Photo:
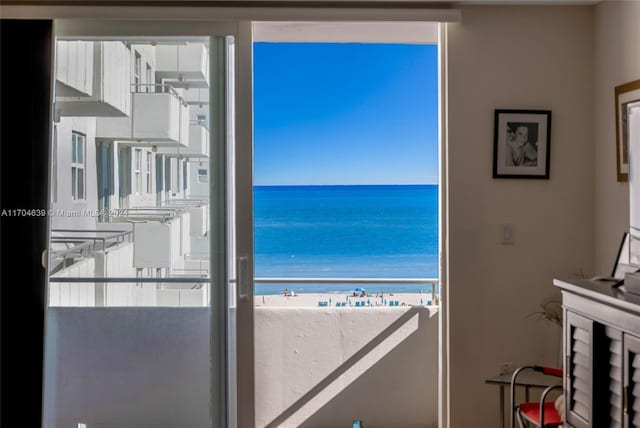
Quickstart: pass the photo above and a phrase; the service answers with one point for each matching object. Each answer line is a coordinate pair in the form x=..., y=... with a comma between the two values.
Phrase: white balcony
x=159, y=117
x=198, y=144
x=161, y=236
x=157, y=245
x=92, y=79
x=74, y=68
x=196, y=96
x=184, y=66
x=198, y=210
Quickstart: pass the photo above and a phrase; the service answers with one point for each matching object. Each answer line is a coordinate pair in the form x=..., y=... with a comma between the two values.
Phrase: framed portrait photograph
x=627, y=100
x=521, y=144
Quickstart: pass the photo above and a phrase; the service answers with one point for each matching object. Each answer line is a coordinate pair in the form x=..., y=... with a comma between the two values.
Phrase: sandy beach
x=332, y=299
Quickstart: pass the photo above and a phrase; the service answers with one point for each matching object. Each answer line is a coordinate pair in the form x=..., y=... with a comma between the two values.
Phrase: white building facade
x=129, y=192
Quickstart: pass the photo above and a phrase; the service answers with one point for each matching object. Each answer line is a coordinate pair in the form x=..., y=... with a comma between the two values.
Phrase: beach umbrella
x=359, y=289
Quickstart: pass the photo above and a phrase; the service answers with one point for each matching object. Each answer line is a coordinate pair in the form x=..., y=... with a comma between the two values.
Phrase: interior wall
x=616, y=61
x=514, y=57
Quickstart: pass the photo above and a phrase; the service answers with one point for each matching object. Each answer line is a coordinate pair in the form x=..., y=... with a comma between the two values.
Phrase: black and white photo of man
x=522, y=144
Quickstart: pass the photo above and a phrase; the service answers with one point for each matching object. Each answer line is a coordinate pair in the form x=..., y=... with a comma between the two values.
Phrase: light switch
x=506, y=234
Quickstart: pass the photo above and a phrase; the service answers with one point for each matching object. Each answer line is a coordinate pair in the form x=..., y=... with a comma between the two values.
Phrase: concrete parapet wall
x=149, y=367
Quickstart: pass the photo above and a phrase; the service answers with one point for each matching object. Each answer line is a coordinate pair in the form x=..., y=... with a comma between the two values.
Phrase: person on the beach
x=286, y=292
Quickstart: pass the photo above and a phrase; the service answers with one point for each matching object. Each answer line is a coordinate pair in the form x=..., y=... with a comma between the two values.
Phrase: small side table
x=527, y=379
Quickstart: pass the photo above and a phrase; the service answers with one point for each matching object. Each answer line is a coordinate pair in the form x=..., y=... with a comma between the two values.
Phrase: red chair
x=540, y=414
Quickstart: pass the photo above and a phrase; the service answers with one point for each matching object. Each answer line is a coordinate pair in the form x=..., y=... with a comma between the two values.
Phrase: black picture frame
x=522, y=144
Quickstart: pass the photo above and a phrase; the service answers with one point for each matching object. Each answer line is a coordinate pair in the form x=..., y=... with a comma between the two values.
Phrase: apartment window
x=150, y=79
x=78, y=142
x=137, y=70
x=138, y=171
x=203, y=176
x=184, y=175
x=148, y=172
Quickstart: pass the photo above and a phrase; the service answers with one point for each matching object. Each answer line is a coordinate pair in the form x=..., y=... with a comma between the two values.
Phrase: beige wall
x=617, y=61
x=520, y=58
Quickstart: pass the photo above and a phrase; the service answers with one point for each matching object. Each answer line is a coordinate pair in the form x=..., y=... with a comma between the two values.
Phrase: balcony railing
x=156, y=88
x=199, y=280
x=82, y=243
x=288, y=280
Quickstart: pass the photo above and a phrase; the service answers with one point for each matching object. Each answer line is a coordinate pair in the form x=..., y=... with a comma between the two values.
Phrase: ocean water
x=346, y=232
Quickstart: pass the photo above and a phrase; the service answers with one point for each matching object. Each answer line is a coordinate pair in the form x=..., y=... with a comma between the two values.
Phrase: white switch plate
x=507, y=234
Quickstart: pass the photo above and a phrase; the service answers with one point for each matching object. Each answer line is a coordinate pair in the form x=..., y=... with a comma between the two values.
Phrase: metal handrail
x=165, y=88
x=185, y=202
x=179, y=279
x=274, y=280
x=115, y=279
x=116, y=235
x=347, y=280
x=64, y=254
x=147, y=214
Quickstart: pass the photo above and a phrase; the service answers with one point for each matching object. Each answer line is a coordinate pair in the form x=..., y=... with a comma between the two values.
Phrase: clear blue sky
x=336, y=113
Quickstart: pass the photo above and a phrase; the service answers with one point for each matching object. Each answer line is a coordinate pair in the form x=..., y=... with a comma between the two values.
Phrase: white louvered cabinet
x=602, y=355
x=615, y=379
x=578, y=371
x=631, y=391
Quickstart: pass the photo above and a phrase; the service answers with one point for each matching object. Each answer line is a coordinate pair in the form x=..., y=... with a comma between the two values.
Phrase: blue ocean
x=374, y=231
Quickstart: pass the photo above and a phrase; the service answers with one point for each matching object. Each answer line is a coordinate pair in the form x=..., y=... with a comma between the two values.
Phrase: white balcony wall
x=198, y=186
x=198, y=142
x=93, y=357
x=156, y=120
x=191, y=62
x=157, y=117
x=71, y=293
x=199, y=220
x=184, y=124
x=198, y=146
x=185, y=238
x=118, y=262
x=200, y=244
x=110, y=81
x=74, y=68
x=196, y=97
x=157, y=245
x=197, y=264
x=182, y=297
x=115, y=83
x=176, y=177
x=299, y=349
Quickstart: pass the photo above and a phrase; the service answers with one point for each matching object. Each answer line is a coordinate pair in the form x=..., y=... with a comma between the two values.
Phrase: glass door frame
x=234, y=127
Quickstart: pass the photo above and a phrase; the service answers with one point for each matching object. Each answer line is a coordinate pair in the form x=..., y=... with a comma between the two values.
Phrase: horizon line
x=341, y=184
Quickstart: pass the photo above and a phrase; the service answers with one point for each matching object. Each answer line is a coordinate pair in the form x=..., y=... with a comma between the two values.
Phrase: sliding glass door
x=150, y=262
